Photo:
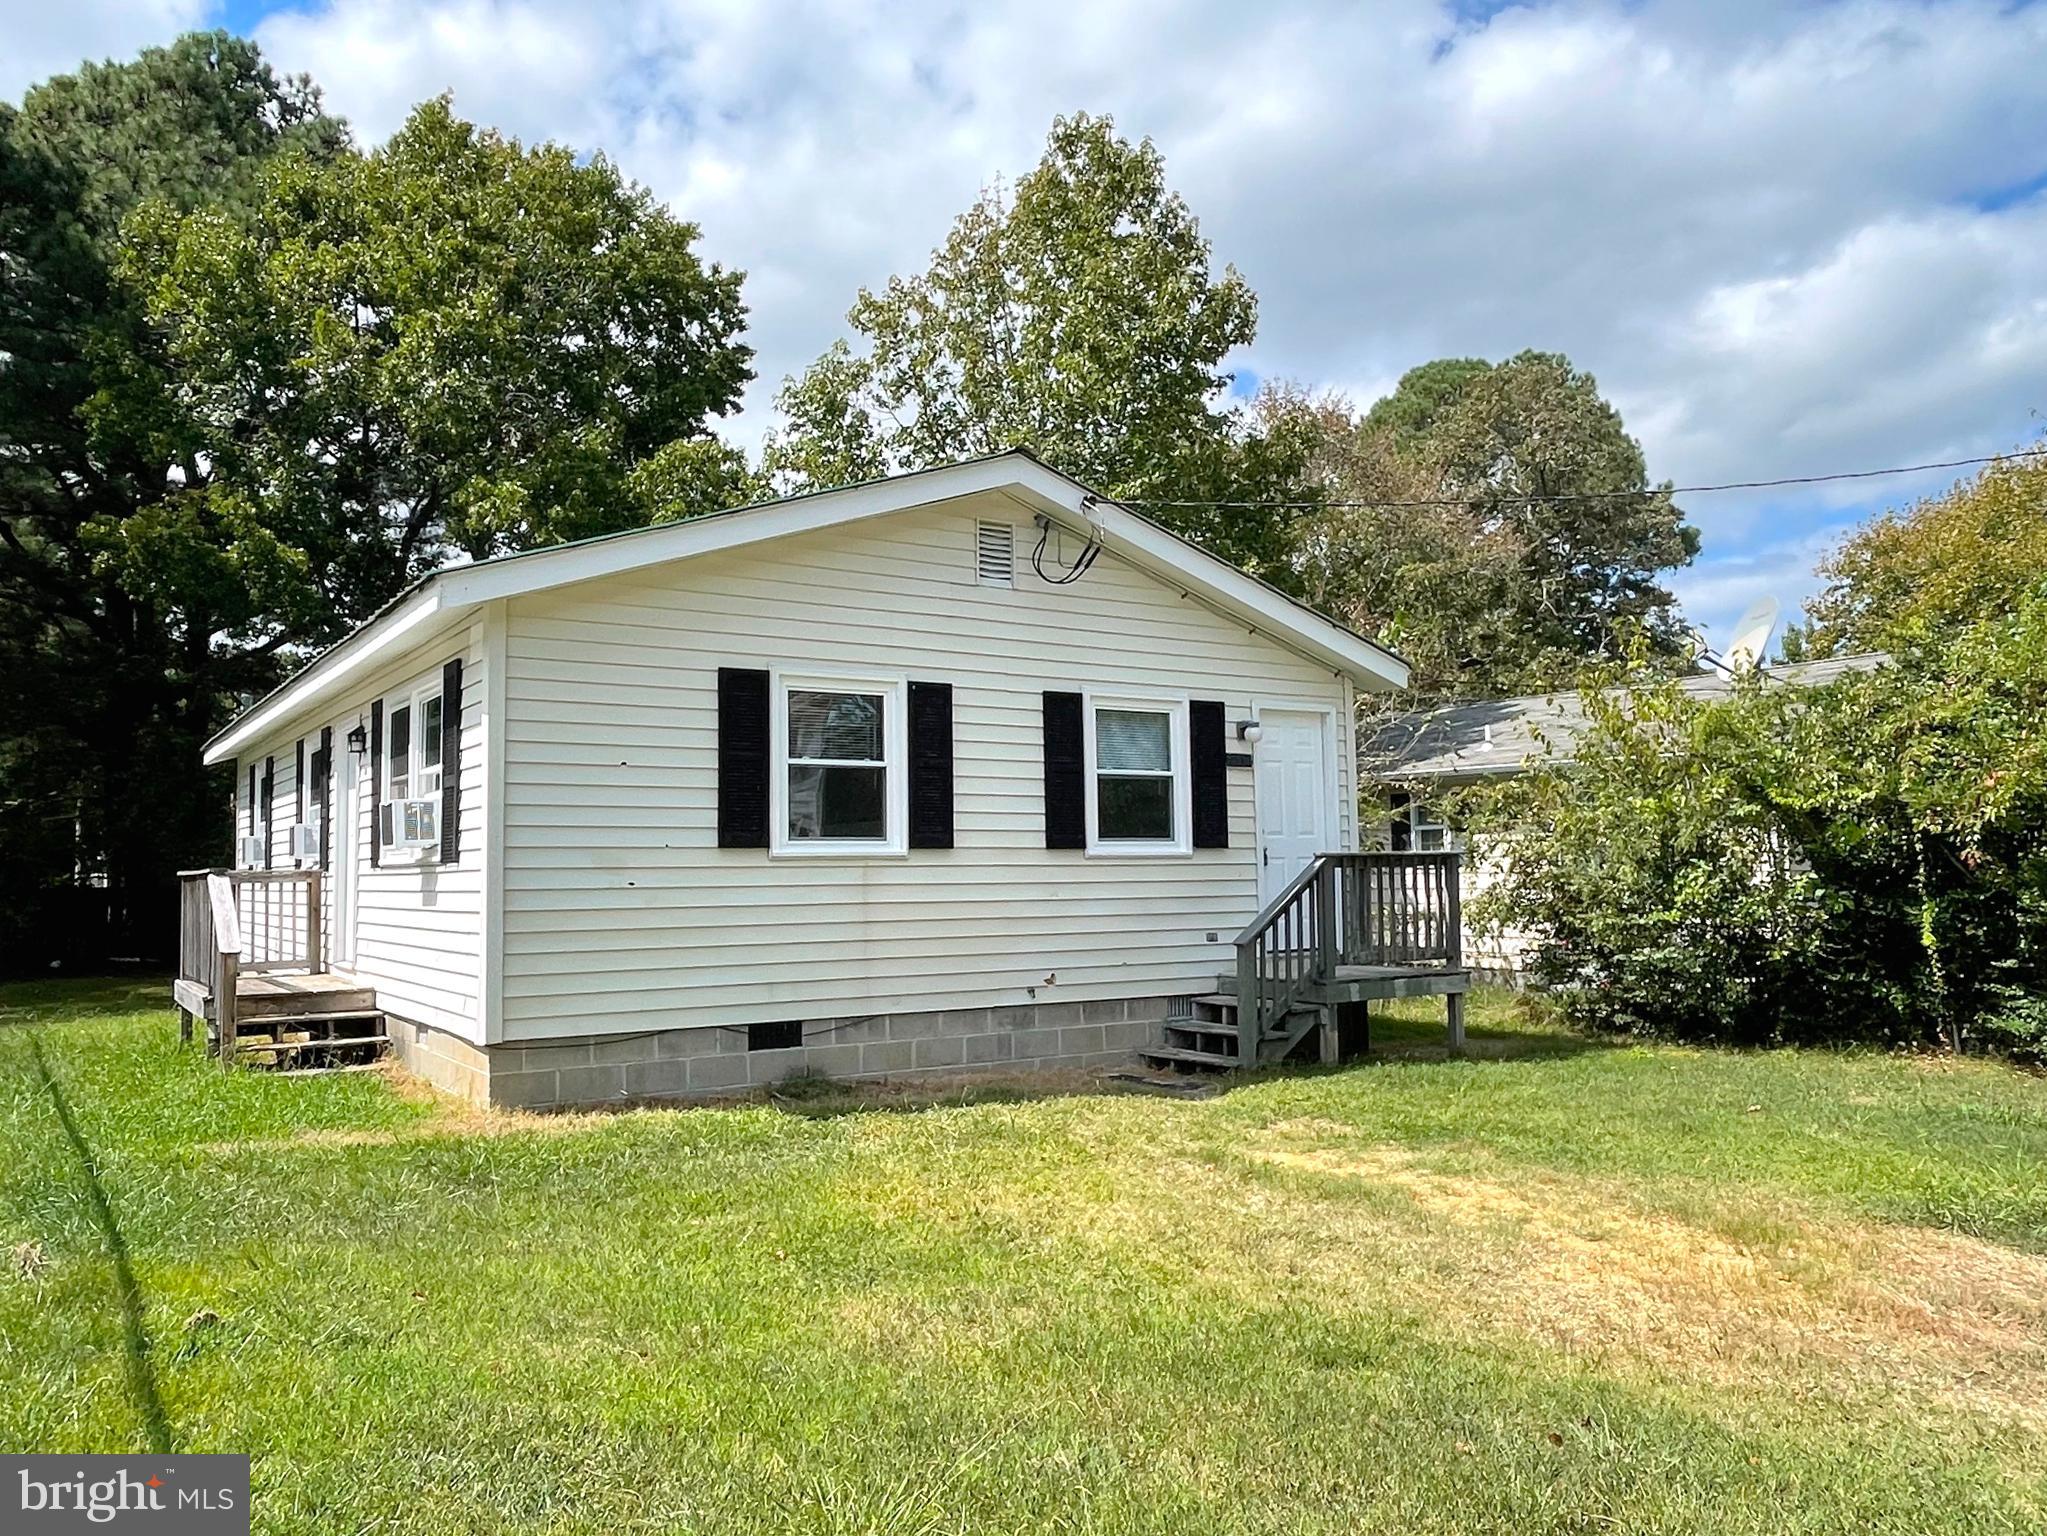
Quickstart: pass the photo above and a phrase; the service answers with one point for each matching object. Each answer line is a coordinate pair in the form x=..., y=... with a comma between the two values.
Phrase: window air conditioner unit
x=305, y=841
x=411, y=824
x=249, y=851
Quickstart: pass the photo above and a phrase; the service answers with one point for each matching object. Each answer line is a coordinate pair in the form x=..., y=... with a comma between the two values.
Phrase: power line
x=1675, y=490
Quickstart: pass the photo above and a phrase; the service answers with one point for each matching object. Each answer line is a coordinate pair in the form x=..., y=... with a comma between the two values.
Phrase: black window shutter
x=376, y=783
x=1401, y=830
x=325, y=787
x=1065, y=772
x=298, y=782
x=930, y=765
x=1207, y=751
x=744, y=759
x=252, y=799
x=451, y=760
x=269, y=802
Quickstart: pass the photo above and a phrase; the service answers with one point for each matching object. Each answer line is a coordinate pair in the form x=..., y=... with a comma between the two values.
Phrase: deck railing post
x=314, y=956
x=1453, y=1002
x=1325, y=919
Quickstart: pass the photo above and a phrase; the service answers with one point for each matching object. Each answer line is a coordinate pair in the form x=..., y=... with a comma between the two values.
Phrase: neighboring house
x=845, y=781
x=1417, y=757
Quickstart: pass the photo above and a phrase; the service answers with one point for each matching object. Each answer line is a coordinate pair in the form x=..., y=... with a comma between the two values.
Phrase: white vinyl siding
x=621, y=913
x=418, y=924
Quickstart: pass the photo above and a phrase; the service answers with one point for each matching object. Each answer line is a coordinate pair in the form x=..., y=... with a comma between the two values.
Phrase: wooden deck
x=284, y=995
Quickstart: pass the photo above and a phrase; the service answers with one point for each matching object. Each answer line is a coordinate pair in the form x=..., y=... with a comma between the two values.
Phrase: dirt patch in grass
x=1840, y=1308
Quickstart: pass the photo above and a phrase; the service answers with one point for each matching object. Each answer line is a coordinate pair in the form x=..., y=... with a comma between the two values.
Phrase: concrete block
x=552, y=1058
x=859, y=1031
x=1126, y=1036
x=591, y=1085
x=922, y=1026
x=522, y=1090
x=680, y=1044
x=832, y=1060
x=623, y=1050
x=656, y=1079
x=1080, y=1041
x=709, y=1073
x=1111, y=1010
x=1028, y=1044
x=1056, y=1015
x=981, y=1050
x=888, y=1056
x=965, y=1021
x=940, y=1051
x=1018, y=1016
x=773, y=1066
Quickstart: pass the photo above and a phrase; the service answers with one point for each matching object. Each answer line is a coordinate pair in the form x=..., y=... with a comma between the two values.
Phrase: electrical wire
x=1675, y=490
x=1078, y=569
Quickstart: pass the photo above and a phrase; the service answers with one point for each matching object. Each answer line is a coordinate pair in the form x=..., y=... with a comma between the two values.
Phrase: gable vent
x=995, y=554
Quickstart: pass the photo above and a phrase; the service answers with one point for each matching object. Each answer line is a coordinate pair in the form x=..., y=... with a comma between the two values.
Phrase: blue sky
x=1787, y=238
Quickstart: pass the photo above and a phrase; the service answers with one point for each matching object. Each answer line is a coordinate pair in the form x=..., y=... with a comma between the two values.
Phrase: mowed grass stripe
x=1414, y=1295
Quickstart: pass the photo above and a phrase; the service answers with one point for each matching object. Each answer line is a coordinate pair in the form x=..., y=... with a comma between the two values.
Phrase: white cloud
x=1770, y=229
x=44, y=40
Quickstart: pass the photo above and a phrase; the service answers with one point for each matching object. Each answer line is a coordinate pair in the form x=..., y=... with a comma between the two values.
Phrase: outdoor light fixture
x=1249, y=732
x=358, y=740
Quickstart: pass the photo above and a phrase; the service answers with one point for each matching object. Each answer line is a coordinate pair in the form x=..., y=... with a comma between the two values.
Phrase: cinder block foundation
x=705, y=1061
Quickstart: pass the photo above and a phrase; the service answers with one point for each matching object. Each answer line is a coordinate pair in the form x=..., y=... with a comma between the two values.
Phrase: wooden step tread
x=1189, y=1055
x=262, y=1021
x=336, y=1043
x=1218, y=999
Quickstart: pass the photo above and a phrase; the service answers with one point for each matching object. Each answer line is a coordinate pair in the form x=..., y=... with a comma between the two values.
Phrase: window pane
x=842, y=726
x=1133, y=740
x=398, y=750
x=832, y=803
x=1134, y=809
x=430, y=732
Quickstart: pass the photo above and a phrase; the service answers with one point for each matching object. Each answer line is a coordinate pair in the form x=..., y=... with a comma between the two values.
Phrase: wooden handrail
x=236, y=920
x=1381, y=907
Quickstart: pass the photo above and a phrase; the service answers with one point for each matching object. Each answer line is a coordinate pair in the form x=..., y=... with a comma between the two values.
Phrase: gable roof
x=1474, y=739
x=447, y=594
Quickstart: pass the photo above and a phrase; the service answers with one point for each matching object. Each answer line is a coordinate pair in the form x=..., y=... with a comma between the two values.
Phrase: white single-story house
x=951, y=768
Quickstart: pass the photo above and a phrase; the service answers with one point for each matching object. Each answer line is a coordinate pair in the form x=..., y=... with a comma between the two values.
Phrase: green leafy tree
x=258, y=381
x=97, y=695
x=1081, y=317
x=1910, y=578
x=452, y=345
x=1866, y=860
x=1515, y=535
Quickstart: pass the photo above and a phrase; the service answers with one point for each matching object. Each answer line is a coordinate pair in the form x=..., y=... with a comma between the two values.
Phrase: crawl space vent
x=995, y=554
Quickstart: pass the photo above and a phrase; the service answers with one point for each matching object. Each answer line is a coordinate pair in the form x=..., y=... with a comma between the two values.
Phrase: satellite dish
x=1752, y=635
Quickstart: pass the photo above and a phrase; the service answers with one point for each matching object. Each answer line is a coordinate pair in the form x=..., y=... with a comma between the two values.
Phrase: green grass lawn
x=1555, y=1287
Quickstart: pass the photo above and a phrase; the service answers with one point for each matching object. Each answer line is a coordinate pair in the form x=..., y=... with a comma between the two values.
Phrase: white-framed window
x=412, y=761
x=1138, y=780
x=412, y=744
x=1428, y=832
x=839, y=785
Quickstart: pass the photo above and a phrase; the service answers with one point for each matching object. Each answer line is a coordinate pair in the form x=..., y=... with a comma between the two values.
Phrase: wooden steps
x=300, y=1022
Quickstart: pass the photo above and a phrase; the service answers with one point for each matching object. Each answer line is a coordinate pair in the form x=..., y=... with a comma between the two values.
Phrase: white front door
x=341, y=842
x=1295, y=796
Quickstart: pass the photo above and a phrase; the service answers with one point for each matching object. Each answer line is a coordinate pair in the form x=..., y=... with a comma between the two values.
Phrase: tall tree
x=268, y=388
x=1500, y=528
x=1910, y=578
x=95, y=699
x=1081, y=317
x=452, y=345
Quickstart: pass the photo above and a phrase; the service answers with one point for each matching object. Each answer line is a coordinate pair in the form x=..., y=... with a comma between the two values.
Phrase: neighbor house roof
x=431, y=601
x=1483, y=738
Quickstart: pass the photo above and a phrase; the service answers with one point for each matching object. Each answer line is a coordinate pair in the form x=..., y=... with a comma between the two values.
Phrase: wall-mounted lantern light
x=1250, y=732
